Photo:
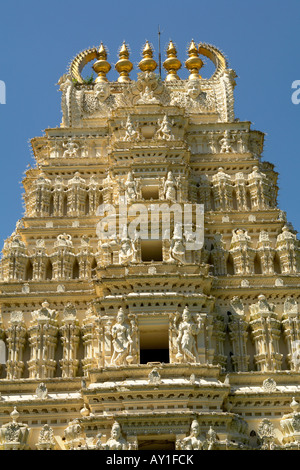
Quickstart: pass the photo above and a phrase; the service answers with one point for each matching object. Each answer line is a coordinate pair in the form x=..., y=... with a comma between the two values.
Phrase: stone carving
x=188, y=331
x=164, y=131
x=226, y=142
x=195, y=441
x=131, y=133
x=14, y=435
x=154, y=376
x=46, y=439
x=41, y=391
x=266, y=433
x=116, y=441
x=269, y=385
x=74, y=435
x=170, y=188
x=131, y=188
x=122, y=341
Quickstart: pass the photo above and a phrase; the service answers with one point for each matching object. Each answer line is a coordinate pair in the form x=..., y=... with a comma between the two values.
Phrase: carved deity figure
x=165, y=130
x=128, y=251
x=71, y=148
x=116, y=440
x=188, y=331
x=130, y=188
x=226, y=142
x=122, y=341
x=194, y=441
x=130, y=132
x=170, y=187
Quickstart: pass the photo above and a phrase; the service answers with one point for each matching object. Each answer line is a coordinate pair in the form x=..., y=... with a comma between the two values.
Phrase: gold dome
x=101, y=66
x=172, y=64
x=193, y=63
x=124, y=66
x=147, y=64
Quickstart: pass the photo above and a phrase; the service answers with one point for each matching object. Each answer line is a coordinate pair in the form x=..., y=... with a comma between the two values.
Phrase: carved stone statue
x=131, y=133
x=122, y=341
x=165, y=130
x=194, y=441
x=188, y=331
x=130, y=188
x=170, y=187
x=116, y=441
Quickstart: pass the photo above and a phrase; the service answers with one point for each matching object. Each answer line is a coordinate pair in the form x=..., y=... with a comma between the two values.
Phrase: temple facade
x=150, y=293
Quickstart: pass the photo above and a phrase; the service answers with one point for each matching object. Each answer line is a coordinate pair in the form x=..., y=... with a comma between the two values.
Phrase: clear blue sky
x=39, y=38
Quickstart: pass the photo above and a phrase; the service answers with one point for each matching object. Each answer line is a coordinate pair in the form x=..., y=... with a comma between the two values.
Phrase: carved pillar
x=266, y=253
x=85, y=259
x=43, y=339
x=242, y=253
x=42, y=195
x=92, y=339
x=70, y=339
x=63, y=258
x=14, y=259
x=59, y=200
x=222, y=188
x=287, y=247
x=76, y=195
x=15, y=338
x=265, y=328
x=291, y=329
x=39, y=261
x=94, y=195
x=218, y=331
x=238, y=334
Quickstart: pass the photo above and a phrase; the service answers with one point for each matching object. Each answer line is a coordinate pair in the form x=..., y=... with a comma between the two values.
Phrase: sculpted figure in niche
x=116, y=440
x=122, y=341
x=194, y=441
x=130, y=132
x=165, y=130
x=188, y=331
x=130, y=188
x=128, y=251
x=170, y=187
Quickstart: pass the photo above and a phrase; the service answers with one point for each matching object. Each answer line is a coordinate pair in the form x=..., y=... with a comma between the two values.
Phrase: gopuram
x=150, y=293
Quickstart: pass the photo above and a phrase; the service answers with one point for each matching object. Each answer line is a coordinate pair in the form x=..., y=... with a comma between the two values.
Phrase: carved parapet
x=14, y=435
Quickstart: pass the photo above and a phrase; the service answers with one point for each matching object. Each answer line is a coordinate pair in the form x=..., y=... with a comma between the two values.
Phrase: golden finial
x=101, y=66
x=124, y=66
x=193, y=63
x=147, y=64
x=172, y=64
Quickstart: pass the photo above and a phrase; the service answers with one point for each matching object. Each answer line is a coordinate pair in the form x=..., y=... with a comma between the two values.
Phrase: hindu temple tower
x=113, y=340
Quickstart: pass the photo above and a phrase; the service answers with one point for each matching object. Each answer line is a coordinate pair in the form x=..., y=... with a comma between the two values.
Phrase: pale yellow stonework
x=139, y=344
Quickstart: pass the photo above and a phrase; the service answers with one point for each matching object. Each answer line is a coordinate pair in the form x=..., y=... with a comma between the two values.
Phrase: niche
x=151, y=250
